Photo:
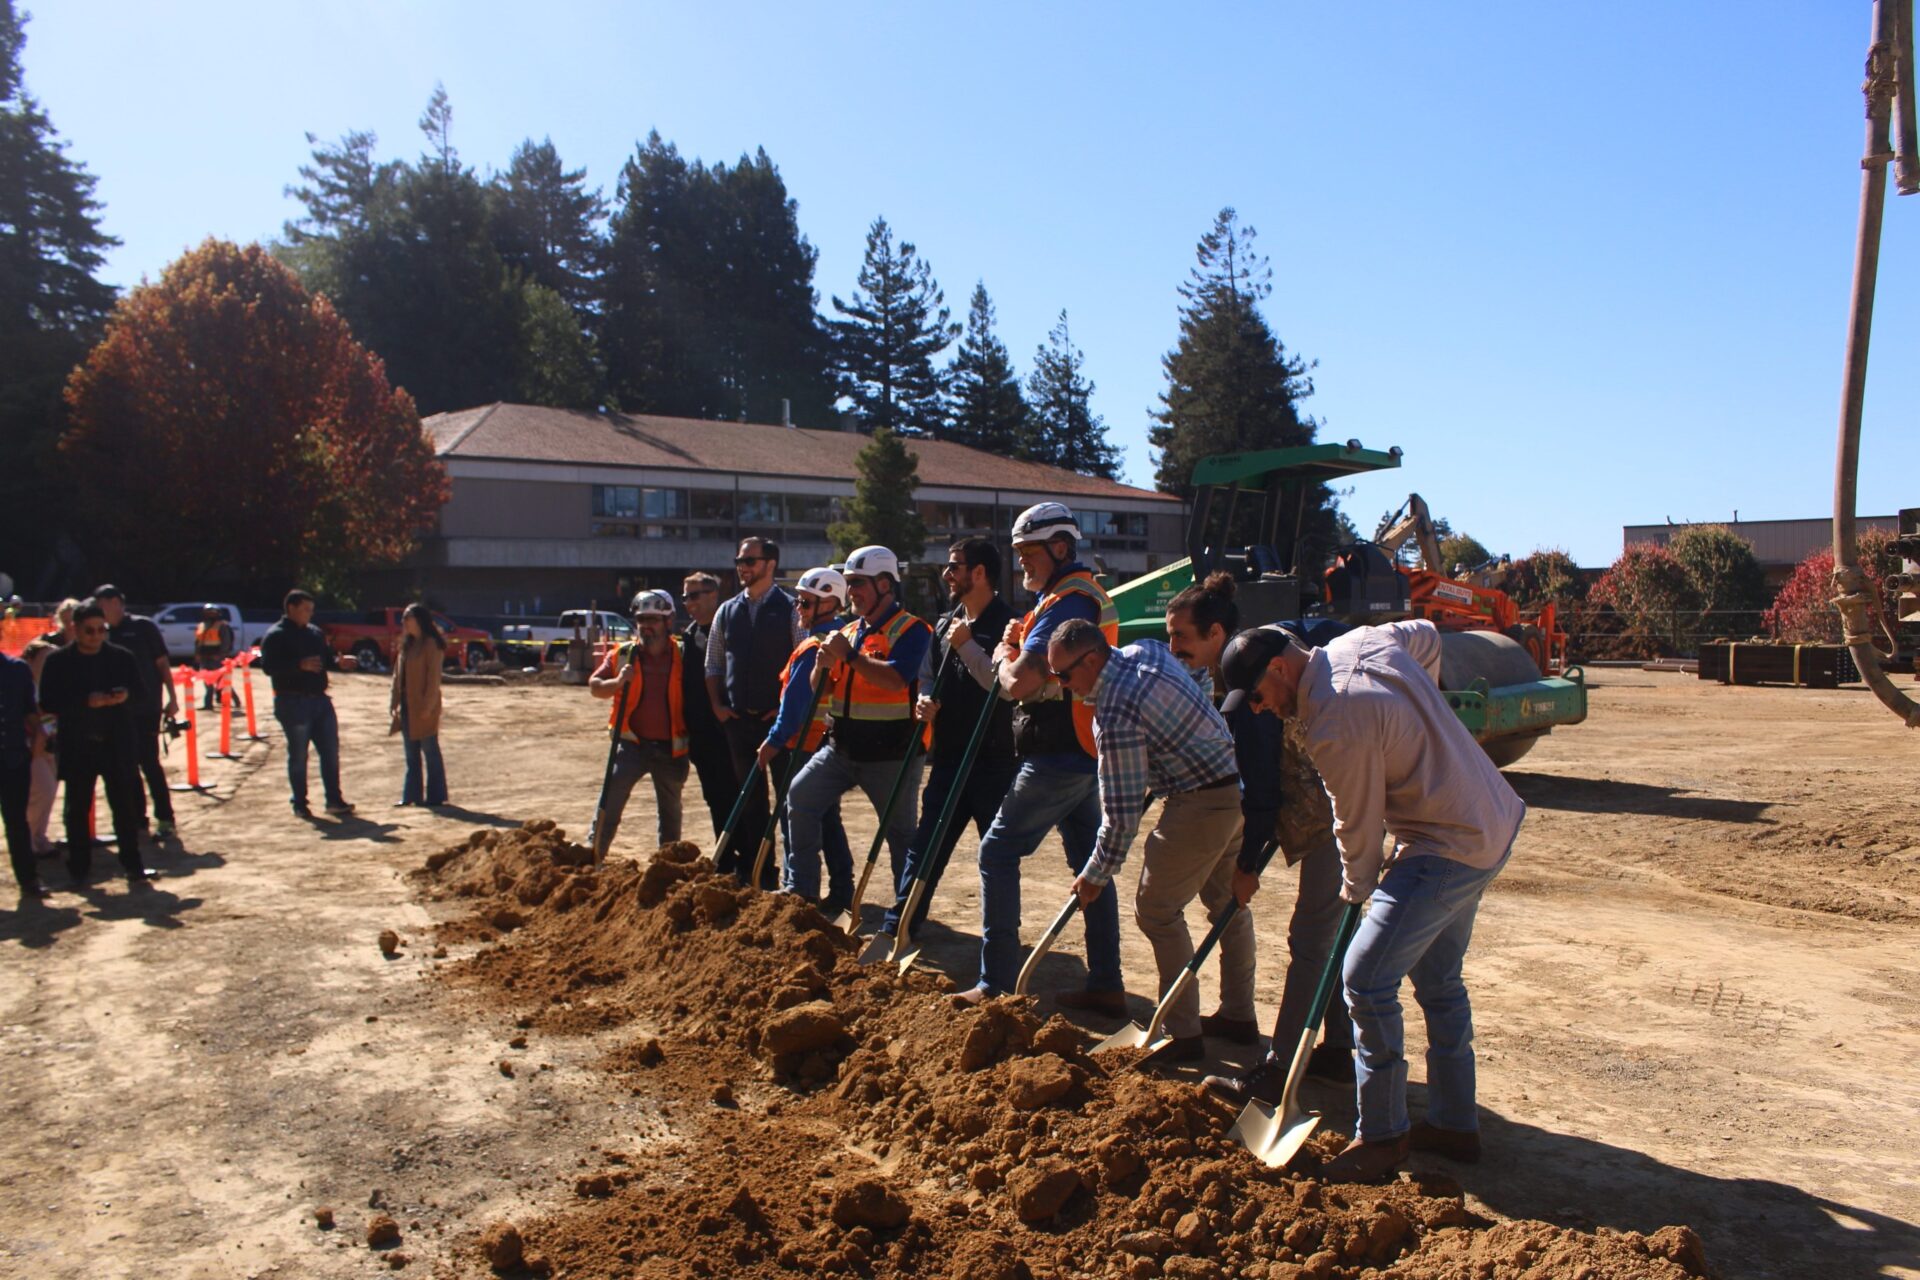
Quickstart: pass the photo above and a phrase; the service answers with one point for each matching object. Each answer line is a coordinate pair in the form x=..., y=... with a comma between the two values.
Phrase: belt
x=1231, y=780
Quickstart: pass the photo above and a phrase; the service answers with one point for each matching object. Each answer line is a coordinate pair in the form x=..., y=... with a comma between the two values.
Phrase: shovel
x=786, y=779
x=1277, y=1136
x=606, y=779
x=898, y=950
x=845, y=920
x=1045, y=944
x=733, y=818
x=1133, y=1036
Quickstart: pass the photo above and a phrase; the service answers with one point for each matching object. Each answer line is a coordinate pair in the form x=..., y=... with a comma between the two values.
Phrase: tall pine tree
x=52, y=308
x=546, y=223
x=1231, y=386
x=985, y=409
x=1063, y=429
x=710, y=306
x=883, y=512
x=896, y=323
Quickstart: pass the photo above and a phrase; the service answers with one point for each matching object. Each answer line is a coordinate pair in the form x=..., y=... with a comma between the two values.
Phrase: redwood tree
x=229, y=429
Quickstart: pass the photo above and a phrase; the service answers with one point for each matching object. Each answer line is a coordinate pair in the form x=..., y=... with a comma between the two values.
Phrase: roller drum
x=1466, y=656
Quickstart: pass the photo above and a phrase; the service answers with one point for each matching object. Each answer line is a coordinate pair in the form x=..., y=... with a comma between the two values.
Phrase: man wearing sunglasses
x=753, y=635
x=89, y=686
x=1155, y=730
x=712, y=758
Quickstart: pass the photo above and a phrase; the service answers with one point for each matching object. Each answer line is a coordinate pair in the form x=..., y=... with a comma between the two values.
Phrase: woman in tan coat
x=415, y=704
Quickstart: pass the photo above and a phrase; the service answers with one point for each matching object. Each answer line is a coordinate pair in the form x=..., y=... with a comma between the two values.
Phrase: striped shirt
x=1153, y=730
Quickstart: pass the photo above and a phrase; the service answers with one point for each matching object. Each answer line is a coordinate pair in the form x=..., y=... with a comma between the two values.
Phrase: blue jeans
x=1418, y=924
x=417, y=749
x=816, y=791
x=304, y=718
x=1042, y=798
x=833, y=842
x=979, y=802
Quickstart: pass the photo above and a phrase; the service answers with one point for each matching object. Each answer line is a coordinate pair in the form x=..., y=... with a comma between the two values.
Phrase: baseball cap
x=1244, y=661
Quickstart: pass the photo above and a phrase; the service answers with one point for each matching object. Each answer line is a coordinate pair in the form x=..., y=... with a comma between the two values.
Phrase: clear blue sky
x=1588, y=265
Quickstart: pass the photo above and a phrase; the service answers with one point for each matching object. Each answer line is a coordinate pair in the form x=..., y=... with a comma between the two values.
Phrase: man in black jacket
x=140, y=636
x=89, y=686
x=712, y=757
x=753, y=635
x=296, y=657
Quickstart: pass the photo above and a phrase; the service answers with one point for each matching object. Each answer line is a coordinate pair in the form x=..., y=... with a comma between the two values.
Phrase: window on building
x=616, y=501
x=762, y=510
x=663, y=504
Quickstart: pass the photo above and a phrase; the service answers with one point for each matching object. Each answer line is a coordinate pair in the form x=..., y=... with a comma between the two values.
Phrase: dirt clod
x=1040, y=1190
x=382, y=1231
x=389, y=943
x=803, y=1028
x=869, y=1203
x=323, y=1218
x=501, y=1246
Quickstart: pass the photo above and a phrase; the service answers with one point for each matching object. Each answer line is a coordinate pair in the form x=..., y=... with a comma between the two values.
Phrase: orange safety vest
x=817, y=730
x=207, y=636
x=1085, y=584
x=626, y=705
x=859, y=698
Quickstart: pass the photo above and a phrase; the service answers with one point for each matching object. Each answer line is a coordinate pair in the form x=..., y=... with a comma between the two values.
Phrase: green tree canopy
x=709, y=307
x=1547, y=576
x=895, y=324
x=1063, y=430
x=1721, y=569
x=1231, y=386
x=1461, y=549
x=52, y=306
x=546, y=224
x=883, y=512
x=985, y=409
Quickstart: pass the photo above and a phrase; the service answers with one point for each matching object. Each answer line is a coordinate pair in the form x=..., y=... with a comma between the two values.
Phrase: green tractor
x=1492, y=659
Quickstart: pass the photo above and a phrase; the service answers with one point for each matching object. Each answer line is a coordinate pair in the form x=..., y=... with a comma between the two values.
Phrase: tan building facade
x=1779, y=545
x=553, y=509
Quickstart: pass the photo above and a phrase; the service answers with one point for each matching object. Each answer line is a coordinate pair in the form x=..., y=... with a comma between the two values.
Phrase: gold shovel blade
x=844, y=921
x=904, y=955
x=1275, y=1137
x=879, y=947
x=1132, y=1036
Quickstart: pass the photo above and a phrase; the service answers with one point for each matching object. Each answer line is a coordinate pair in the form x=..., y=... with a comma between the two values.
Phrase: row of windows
x=634, y=511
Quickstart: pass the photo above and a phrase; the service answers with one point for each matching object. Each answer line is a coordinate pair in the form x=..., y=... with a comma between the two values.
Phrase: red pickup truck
x=373, y=636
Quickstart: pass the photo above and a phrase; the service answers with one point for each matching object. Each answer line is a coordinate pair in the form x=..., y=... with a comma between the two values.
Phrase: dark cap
x=107, y=591
x=1244, y=661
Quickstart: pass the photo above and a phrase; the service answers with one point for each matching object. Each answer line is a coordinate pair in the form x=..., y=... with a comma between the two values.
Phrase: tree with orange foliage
x=228, y=429
x=1803, y=610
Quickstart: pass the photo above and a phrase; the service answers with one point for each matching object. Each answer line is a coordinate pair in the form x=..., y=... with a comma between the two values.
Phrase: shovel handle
x=1045, y=944
x=739, y=807
x=785, y=784
x=1322, y=995
x=899, y=781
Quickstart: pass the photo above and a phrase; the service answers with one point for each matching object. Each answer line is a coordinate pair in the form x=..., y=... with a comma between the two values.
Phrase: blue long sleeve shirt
x=790, y=723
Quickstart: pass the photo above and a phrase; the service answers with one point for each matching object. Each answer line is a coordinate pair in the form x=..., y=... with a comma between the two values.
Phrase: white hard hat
x=1044, y=520
x=824, y=582
x=871, y=562
x=655, y=602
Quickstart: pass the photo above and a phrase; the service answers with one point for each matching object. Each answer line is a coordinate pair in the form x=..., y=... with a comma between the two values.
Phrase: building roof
x=533, y=433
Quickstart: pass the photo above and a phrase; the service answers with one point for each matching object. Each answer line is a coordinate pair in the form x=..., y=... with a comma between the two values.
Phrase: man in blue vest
x=753, y=634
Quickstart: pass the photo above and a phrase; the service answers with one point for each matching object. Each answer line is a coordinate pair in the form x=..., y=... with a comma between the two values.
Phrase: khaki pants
x=1192, y=852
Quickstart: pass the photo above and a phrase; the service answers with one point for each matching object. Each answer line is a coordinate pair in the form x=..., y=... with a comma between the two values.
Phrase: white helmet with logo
x=824, y=582
x=653, y=602
x=871, y=562
x=1045, y=520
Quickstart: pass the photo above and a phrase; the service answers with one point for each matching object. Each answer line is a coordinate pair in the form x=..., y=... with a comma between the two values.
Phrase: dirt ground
x=1695, y=988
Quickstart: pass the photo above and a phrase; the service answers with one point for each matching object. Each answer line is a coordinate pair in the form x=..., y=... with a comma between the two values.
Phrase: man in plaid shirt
x=1156, y=730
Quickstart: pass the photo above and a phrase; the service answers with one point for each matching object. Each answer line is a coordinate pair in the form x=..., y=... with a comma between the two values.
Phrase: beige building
x=1779, y=545
x=552, y=508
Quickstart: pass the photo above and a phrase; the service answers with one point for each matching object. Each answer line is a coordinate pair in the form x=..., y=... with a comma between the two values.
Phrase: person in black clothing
x=972, y=631
x=19, y=719
x=712, y=757
x=753, y=635
x=296, y=657
x=141, y=637
x=89, y=686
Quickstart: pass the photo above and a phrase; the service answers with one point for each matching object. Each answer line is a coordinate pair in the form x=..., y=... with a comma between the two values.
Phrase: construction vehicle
x=1505, y=676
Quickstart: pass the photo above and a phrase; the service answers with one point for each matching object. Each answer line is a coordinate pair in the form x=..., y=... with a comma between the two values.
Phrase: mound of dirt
x=870, y=1129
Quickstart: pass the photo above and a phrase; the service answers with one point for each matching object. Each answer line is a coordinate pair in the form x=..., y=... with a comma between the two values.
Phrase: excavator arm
x=1411, y=521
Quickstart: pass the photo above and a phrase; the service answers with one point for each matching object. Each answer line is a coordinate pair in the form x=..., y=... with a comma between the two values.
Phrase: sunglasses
x=1061, y=676
x=691, y=596
x=953, y=566
x=748, y=559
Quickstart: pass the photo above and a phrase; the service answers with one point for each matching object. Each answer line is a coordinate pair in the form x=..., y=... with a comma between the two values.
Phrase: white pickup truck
x=553, y=639
x=178, y=622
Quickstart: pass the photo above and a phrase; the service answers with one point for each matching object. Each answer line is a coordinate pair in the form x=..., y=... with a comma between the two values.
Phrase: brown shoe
x=1462, y=1145
x=1232, y=1030
x=971, y=998
x=1265, y=1081
x=1111, y=1003
x=1367, y=1161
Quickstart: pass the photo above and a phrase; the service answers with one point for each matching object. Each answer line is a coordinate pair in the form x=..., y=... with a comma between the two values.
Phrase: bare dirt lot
x=1697, y=996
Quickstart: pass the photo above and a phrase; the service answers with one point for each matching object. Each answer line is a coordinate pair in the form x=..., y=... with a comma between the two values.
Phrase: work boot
x=1232, y=1030
x=1369, y=1162
x=1264, y=1082
x=1331, y=1065
x=971, y=998
x=1462, y=1145
x=1111, y=1003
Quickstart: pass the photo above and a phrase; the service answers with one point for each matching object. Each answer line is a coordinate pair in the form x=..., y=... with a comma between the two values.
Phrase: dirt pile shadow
x=834, y=1119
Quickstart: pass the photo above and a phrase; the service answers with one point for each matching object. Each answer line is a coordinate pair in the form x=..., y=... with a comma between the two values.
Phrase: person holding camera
x=89, y=686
